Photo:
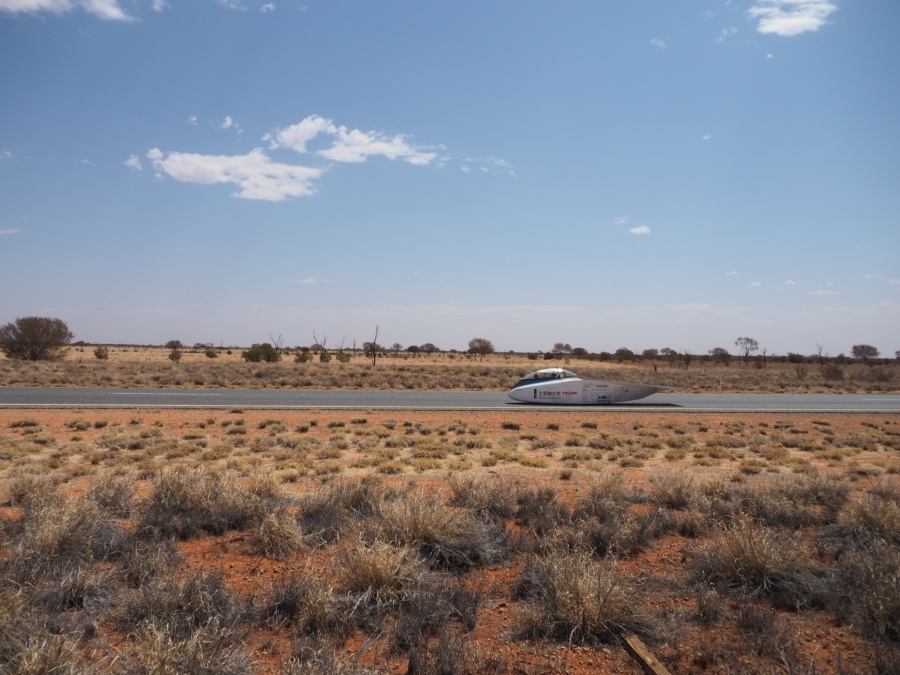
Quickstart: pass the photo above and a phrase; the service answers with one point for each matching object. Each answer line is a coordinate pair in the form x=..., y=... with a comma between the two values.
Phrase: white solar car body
x=557, y=386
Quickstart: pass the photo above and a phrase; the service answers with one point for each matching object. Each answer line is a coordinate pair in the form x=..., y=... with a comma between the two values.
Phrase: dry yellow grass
x=151, y=367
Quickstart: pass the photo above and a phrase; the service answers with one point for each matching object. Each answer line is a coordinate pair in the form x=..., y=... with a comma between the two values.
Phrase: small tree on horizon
x=481, y=346
x=746, y=347
x=864, y=352
x=35, y=338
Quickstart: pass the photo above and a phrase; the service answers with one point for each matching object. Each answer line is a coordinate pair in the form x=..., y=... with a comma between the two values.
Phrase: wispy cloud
x=312, y=281
x=103, y=9
x=6, y=154
x=267, y=8
x=229, y=123
x=732, y=273
x=260, y=177
x=256, y=175
x=824, y=291
x=790, y=282
x=791, y=17
x=726, y=33
x=659, y=43
x=349, y=145
x=232, y=4
x=640, y=229
x=133, y=162
x=10, y=231
x=755, y=284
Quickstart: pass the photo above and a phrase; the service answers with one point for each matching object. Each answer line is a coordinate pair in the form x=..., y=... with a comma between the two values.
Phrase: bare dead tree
x=371, y=348
x=319, y=346
x=276, y=344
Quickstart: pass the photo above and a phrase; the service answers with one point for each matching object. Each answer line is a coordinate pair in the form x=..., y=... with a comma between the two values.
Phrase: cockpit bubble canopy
x=546, y=374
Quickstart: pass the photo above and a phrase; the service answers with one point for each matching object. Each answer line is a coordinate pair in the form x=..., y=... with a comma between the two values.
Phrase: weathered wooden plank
x=639, y=652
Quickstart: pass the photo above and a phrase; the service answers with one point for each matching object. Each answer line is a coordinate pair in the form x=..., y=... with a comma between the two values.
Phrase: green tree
x=720, y=356
x=746, y=347
x=262, y=352
x=481, y=346
x=35, y=338
x=624, y=354
x=174, y=344
x=864, y=352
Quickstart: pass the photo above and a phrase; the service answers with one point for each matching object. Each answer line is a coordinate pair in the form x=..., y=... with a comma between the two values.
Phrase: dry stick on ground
x=639, y=652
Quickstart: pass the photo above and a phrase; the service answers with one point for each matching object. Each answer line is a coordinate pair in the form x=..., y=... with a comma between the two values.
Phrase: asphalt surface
x=51, y=397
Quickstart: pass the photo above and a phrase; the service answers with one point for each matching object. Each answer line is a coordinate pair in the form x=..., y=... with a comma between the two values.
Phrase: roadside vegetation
x=356, y=542
x=263, y=366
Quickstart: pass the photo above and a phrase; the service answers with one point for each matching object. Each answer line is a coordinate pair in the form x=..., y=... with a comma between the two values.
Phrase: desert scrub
x=673, y=489
x=377, y=573
x=758, y=560
x=486, y=498
x=184, y=503
x=570, y=597
x=56, y=535
x=445, y=538
x=277, y=536
x=877, y=515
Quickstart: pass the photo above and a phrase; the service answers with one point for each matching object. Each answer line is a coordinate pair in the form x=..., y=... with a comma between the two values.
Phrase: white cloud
x=640, y=229
x=103, y=9
x=894, y=282
x=355, y=146
x=298, y=135
x=229, y=123
x=6, y=154
x=791, y=17
x=621, y=220
x=732, y=273
x=726, y=33
x=350, y=145
x=790, y=282
x=257, y=176
x=232, y=4
x=159, y=5
x=659, y=43
x=824, y=291
x=267, y=8
x=10, y=231
x=706, y=137
x=133, y=162
x=192, y=120
x=755, y=284
x=312, y=281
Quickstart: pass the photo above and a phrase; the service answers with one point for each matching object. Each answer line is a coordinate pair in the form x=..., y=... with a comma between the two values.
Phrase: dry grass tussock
x=117, y=558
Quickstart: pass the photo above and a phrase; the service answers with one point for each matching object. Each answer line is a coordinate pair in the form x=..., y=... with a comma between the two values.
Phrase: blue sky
x=641, y=174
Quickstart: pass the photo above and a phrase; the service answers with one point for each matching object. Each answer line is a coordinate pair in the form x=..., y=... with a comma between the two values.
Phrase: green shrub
x=261, y=353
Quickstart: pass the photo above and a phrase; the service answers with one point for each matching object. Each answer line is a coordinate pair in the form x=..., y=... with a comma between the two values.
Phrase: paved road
x=50, y=397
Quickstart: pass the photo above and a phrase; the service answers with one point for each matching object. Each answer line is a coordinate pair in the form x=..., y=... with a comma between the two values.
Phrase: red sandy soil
x=822, y=645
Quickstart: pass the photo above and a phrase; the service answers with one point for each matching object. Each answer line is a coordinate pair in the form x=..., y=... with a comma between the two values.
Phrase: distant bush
x=264, y=352
x=175, y=355
x=101, y=353
x=211, y=353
